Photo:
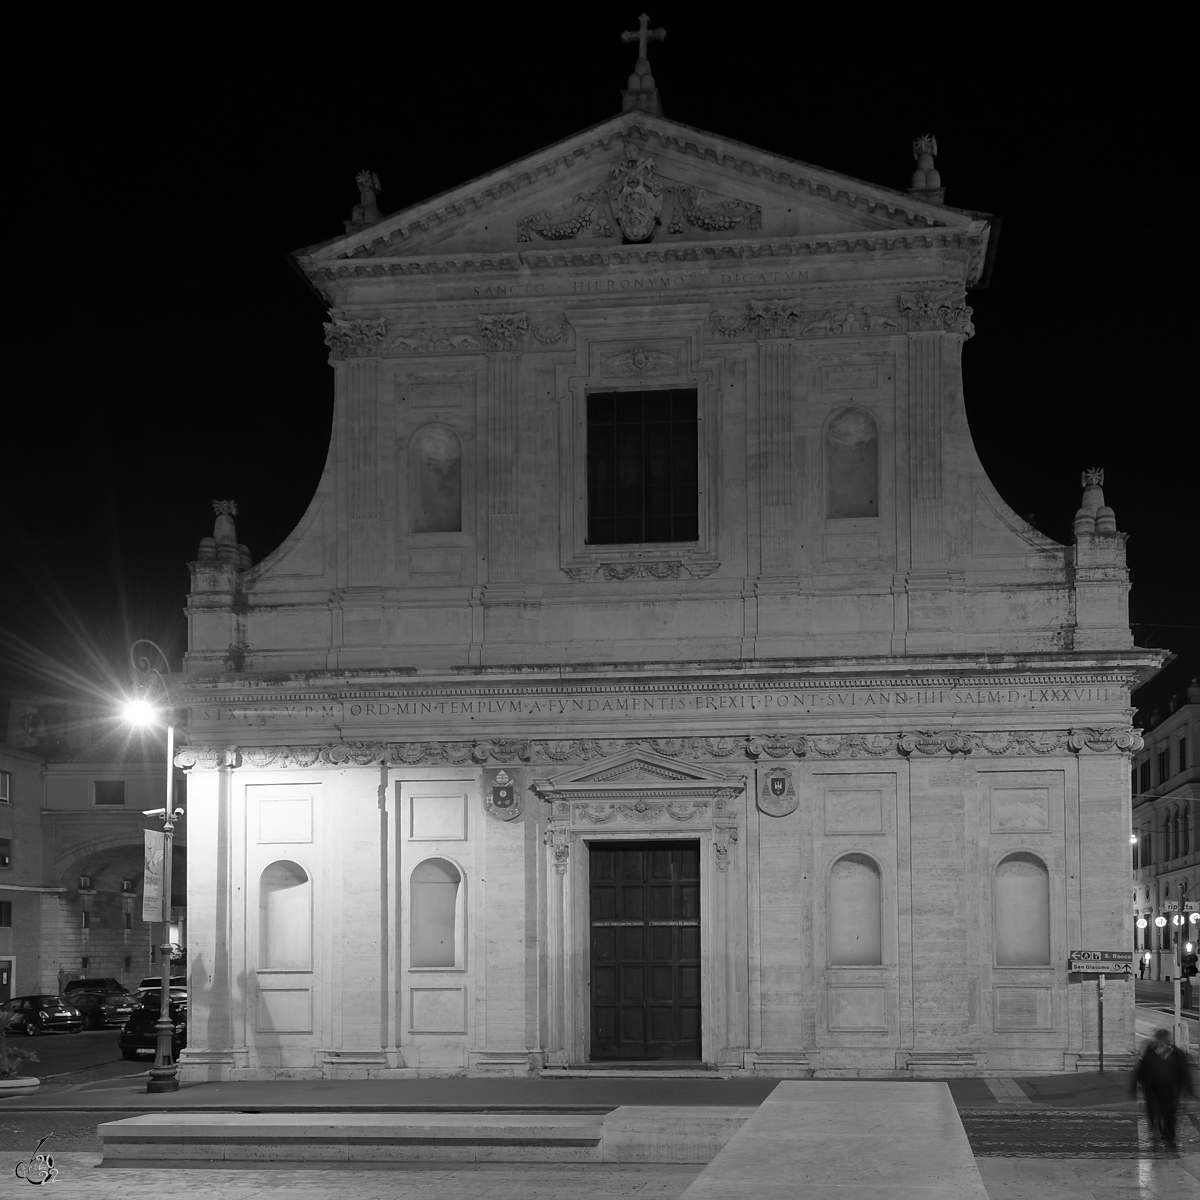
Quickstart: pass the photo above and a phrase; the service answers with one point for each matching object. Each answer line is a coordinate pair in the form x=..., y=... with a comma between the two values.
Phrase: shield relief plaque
x=502, y=794
x=777, y=796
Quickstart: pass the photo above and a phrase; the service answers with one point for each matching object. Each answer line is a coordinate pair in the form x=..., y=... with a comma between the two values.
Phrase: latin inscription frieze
x=634, y=704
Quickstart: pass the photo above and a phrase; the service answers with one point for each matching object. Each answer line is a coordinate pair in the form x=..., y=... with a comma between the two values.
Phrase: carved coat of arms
x=636, y=195
x=501, y=795
x=777, y=796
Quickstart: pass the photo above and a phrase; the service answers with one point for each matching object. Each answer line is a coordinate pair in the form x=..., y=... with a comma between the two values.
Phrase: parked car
x=139, y=1038
x=41, y=1014
x=107, y=984
x=102, y=1009
x=152, y=983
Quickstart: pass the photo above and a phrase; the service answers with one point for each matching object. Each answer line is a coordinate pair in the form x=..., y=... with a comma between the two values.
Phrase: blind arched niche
x=1021, y=912
x=285, y=918
x=435, y=480
x=852, y=465
x=435, y=910
x=855, y=913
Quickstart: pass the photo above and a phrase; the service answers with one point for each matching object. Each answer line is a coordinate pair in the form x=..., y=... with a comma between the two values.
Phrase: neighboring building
x=73, y=787
x=1166, y=807
x=656, y=674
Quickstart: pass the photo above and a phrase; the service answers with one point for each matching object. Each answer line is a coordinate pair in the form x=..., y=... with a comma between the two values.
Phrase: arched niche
x=435, y=480
x=852, y=465
x=285, y=917
x=1021, y=912
x=436, y=908
x=855, y=924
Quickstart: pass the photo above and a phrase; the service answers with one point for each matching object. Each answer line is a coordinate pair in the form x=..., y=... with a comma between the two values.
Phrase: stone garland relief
x=767, y=319
x=1122, y=739
x=620, y=572
x=492, y=331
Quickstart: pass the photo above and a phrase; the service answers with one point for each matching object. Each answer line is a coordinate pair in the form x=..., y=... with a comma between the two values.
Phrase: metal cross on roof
x=643, y=35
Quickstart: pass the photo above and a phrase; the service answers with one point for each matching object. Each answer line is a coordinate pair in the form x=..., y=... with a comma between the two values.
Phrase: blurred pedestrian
x=1163, y=1073
x=1142, y=968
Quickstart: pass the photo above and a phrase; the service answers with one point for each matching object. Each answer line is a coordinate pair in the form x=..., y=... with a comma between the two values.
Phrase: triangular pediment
x=631, y=176
x=636, y=771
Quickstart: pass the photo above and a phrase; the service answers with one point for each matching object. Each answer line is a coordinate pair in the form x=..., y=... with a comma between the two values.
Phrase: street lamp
x=151, y=684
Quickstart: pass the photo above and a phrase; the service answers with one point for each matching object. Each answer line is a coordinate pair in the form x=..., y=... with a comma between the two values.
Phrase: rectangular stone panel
x=435, y=561
x=1022, y=1007
x=853, y=810
x=857, y=1006
x=845, y=377
x=428, y=393
x=437, y=1010
x=1023, y=801
x=438, y=818
x=285, y=820
x=851, y=545
x=284, y=1010
x=1020, y=808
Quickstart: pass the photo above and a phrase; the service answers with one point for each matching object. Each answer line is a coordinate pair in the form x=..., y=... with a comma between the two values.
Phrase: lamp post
x=143, y=711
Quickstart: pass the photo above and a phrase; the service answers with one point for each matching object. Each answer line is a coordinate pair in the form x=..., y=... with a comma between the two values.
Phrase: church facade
x=656, y=674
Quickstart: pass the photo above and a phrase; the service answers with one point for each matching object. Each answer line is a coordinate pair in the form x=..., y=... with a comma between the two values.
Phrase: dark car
x=154, y=982
x=102, y=1009
x=139, y=1037
x=41, y=1014
x=107, y=984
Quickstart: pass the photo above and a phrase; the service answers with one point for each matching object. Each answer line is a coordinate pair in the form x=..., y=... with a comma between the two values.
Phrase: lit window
x=5, y=852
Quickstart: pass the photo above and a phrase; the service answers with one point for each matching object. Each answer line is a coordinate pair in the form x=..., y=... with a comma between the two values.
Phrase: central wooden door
x=645, y=950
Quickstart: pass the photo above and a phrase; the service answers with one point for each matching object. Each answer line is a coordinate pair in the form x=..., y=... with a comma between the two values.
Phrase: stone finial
x=1094, y=516
x=641, y=92
x=223, y=546
x=926, y=180
x=366, y=211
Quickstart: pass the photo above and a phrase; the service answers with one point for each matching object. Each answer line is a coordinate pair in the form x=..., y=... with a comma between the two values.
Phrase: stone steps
x=625, y=1134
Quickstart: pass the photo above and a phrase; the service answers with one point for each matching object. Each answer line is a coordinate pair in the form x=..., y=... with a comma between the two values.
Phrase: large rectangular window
x=5, y=852
x=1164, y=766
x=642, y=467
x=5, y=787
x=5, y=914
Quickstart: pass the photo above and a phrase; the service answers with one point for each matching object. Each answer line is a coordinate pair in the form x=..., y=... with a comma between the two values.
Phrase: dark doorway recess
x=645, y=950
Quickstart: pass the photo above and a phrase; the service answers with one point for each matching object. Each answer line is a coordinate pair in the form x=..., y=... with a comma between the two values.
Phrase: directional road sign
x=1101, y=962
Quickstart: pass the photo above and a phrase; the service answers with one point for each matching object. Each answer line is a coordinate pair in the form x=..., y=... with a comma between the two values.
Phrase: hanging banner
x=152, y=885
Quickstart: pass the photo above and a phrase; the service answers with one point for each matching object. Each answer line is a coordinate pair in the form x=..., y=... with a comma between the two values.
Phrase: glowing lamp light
x=1177, y=919
x=140, y=712
x=1194, y=918
x=1133, y=839
x=1142, y=922
x=1188, y=948
x=1160, y=921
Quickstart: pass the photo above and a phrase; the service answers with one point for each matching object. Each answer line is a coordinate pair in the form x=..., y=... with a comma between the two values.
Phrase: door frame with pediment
x=640, y=796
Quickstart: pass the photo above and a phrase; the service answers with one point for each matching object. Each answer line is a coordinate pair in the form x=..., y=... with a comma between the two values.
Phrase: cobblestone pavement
x=1081, y=1154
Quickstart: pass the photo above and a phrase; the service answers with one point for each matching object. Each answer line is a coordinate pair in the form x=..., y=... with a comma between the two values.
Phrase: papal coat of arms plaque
x=502, y=794
x=777, y=796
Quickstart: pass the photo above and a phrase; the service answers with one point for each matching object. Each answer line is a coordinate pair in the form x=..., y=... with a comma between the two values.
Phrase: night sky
x=166, y=353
